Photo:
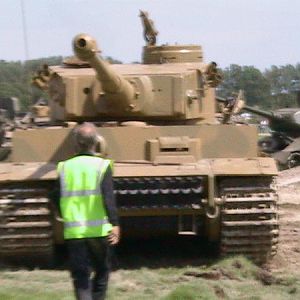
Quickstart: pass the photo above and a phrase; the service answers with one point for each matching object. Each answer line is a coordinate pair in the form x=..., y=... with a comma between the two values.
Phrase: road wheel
x=268, y=144
x=293, y=160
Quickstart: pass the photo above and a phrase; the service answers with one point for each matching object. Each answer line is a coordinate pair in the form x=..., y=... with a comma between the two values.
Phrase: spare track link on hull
x=26, y=225
x=249, y=219
x=178, y=192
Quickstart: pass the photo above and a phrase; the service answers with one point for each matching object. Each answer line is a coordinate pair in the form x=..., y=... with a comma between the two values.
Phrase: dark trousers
x=85, y=256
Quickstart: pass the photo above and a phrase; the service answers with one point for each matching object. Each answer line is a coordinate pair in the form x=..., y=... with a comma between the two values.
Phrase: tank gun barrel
x=112, y=83
x=265, y=114
x=262, y=113
x=277, y=122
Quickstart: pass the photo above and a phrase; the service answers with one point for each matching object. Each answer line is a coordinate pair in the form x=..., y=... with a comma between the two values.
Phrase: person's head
x=85, y=138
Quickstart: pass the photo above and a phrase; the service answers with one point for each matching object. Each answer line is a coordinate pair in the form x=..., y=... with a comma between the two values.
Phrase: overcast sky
x=247, y=32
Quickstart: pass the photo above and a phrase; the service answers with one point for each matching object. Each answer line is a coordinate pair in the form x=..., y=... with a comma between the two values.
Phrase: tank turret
x=178, y=89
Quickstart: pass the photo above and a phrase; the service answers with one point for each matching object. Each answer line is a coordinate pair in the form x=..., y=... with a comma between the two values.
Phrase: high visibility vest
x=81, y=200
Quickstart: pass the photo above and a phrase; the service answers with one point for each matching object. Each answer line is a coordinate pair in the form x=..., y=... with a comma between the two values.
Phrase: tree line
x=271, y=89
x=274, y=88
x=15, y=79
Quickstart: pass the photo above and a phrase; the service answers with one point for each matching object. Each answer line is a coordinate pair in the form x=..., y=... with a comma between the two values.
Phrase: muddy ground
x=288, y=255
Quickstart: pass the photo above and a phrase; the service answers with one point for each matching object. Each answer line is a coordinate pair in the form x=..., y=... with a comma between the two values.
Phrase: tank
x=284, y=142
x=177, y=170
x=280, y=138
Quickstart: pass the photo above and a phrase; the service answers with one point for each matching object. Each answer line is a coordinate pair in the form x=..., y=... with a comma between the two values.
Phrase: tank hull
x=159, y=193
x=143, y=144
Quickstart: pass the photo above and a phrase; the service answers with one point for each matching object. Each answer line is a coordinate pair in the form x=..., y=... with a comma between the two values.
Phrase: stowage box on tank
x=176, y=169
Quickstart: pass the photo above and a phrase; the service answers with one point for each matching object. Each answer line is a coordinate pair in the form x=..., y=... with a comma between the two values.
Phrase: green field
x=234, y=278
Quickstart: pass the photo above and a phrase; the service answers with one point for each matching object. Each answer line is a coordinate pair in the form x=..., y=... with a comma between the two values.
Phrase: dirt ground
x=288, y=255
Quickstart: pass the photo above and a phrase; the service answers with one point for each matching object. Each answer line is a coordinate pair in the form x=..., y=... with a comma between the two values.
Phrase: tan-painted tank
x=177, y=170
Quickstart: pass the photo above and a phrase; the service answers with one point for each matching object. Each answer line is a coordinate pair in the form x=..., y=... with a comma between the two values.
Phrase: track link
x=25, y=225
x=249, y=219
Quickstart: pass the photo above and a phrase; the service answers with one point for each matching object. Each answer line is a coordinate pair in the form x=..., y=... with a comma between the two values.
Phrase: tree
x=250, y=80
x=15, y=79
x=281, y=81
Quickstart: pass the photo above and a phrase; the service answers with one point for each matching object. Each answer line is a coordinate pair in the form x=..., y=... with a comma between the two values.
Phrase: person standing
x=89, y=212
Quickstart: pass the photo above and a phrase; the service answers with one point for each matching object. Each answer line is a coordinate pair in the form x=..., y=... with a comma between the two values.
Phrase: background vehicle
x=176, y=171
x=284, y=142
x=279, y=132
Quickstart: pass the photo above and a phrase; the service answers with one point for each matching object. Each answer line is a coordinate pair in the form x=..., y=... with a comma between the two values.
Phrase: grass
x=232, y=278
x=37, y=284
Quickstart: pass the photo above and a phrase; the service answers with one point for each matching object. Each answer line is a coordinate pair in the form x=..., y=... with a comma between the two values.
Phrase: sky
x=259, y=33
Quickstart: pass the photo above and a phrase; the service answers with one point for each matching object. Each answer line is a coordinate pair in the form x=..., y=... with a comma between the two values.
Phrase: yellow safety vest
x=81, y=200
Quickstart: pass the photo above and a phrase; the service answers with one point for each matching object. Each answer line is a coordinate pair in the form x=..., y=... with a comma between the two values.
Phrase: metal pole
x=24, y=30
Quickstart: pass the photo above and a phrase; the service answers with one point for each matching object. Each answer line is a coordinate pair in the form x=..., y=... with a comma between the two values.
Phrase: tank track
x=249, y=219
x=26, y=225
